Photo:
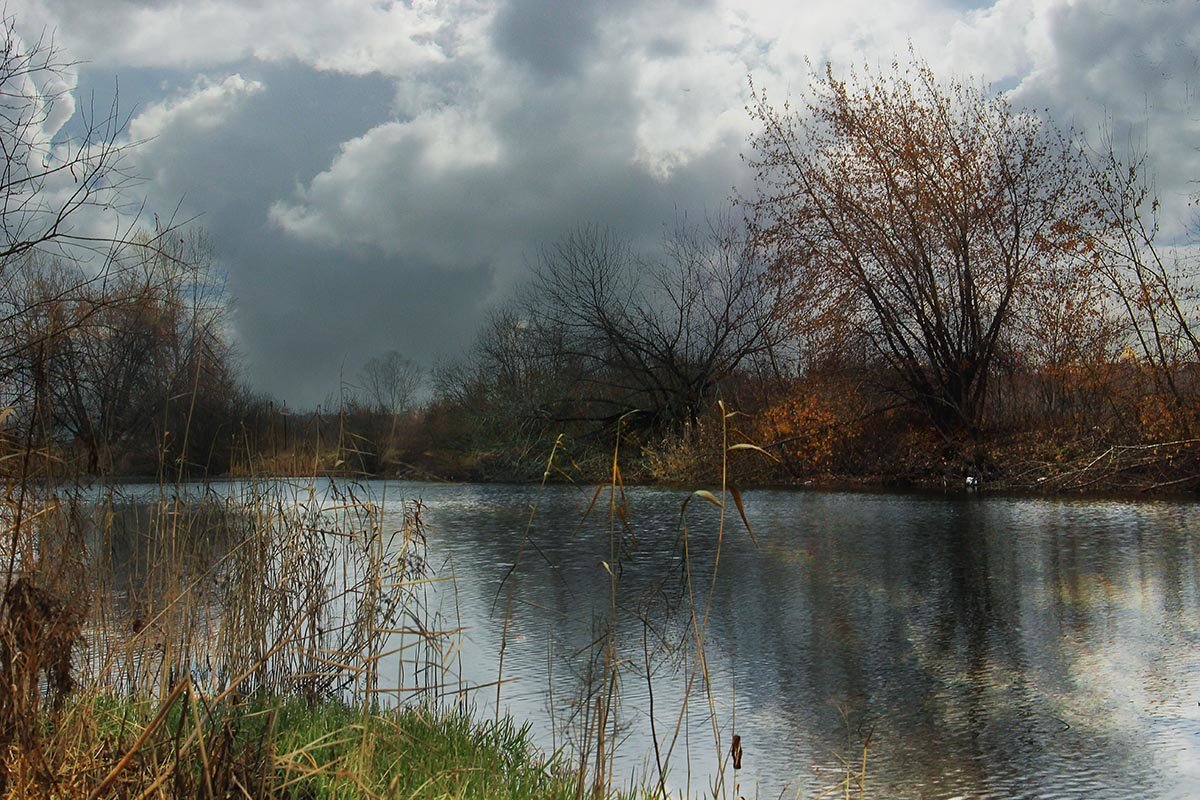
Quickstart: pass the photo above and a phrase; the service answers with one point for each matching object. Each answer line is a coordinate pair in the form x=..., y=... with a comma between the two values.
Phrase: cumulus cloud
x=386, y=173
x=205, y=108
x=550, y=117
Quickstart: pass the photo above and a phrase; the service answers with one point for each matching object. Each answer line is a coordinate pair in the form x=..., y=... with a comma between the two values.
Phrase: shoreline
x=931, y=485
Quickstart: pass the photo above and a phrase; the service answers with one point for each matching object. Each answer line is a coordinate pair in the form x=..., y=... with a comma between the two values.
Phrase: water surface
x=979, y=647
x=988, y=647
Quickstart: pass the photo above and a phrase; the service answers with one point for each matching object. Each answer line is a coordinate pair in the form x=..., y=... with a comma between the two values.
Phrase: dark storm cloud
x=561, y=159
x=417, y=252
x=311, y=316
x=304, y=314
x=553, y=37
x=494, y=184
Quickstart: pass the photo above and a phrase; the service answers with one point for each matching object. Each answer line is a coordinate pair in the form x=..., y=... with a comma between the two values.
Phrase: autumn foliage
x=915, y=221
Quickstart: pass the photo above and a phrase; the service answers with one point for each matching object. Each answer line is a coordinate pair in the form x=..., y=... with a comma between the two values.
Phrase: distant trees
x=133, y=365
x=372, y=413
x=509, y=395
x=914, y=220
x=390, y=383
x=600, y=333
x=655, y=336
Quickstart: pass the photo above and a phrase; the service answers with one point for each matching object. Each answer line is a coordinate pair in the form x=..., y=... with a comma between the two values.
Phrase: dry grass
x=176, y=609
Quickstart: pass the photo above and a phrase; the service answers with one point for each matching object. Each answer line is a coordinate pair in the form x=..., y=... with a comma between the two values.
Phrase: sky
x=376, y=175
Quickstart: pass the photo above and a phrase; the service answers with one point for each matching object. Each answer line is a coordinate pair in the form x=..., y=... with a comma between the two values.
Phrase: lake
x=973, y=646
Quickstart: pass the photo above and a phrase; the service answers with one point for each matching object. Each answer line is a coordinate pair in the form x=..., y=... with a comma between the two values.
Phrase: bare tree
x=136, y=362
x=915, y=215
x=390, y=383
x=653, y=336
x=512, y=392
x=62, y=177
x=52, y=171
x=1151, y=285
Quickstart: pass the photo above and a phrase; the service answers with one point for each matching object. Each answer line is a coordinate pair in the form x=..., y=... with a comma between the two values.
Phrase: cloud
x=190, y=128
x=391, y=167
x=1129, y=71
x=306, y=311
x=552, y=37
x=203, y=109
x=354, y=37
x=563, y=118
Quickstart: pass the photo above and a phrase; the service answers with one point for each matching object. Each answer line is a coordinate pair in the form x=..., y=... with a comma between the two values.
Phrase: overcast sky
x=375, y=174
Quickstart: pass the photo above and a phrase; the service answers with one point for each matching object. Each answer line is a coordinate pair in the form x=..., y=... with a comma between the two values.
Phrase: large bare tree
x=656, y=336
x=62, y=177
x=914, y=216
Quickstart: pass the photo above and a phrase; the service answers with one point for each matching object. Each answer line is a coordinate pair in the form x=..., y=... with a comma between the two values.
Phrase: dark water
x=988, y=647
x=980, y=647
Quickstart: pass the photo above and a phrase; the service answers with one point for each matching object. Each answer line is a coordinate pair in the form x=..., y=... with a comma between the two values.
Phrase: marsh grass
x=174, y=608
x=267, y=748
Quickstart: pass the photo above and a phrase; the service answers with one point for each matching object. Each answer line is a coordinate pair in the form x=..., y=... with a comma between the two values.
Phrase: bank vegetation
x=927, y=287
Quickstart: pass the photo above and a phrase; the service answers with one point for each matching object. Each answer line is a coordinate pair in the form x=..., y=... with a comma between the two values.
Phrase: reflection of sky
x=991, y=647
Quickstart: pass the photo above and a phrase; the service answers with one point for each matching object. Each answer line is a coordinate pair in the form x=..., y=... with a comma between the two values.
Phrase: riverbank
x=176, y=647
x=845, y=440
x=194, y=745
x=1022, y=465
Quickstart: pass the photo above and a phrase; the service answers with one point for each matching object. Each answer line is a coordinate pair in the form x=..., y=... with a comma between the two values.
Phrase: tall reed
x=671, y=618
x=196, y=603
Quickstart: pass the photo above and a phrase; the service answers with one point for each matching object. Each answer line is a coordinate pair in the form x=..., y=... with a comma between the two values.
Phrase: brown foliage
x=911, y=220
x=812, y=427
x=39, y=630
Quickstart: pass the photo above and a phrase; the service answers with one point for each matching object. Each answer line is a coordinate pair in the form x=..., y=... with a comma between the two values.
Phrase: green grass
x=282, y=748
x=415, y=753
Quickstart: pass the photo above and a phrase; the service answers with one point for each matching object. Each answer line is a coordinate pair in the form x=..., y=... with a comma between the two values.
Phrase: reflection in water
x=988, y=647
